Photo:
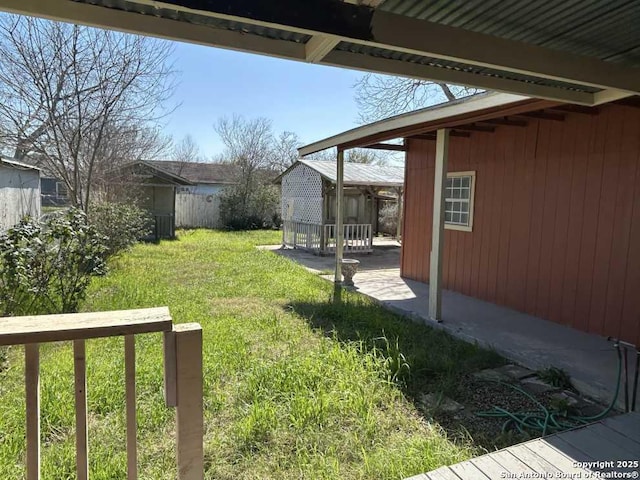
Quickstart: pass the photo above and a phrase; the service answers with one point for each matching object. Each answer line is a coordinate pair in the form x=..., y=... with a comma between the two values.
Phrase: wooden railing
x=182, y=377
x=357, y=238
x=302, y=235
x=322, y=239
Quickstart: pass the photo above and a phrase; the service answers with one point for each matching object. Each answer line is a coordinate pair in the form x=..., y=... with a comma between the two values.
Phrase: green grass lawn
x=296, y=386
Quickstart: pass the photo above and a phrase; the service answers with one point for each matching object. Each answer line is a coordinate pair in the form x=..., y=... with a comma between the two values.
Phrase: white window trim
x=464, y=228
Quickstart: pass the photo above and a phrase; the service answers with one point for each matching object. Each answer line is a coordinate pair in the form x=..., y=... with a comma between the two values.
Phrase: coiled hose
x=545, y=420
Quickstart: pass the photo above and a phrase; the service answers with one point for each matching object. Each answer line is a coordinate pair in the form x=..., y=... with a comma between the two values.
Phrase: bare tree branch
x=382, y=96
x=80, y=100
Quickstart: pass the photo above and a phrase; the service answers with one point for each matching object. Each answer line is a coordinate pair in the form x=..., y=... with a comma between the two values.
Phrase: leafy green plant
x=123, y=225
x=395, y=362
x=47, y=268
x=556, y=377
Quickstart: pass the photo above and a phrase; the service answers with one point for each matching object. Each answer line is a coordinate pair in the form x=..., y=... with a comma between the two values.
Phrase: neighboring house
x=198, y=203
x=309, y=202
x=19, y=192
x=540, y=205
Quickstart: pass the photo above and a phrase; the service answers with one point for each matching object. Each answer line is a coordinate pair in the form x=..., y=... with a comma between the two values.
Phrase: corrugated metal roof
x=445, y=64
x=359, y=173
x=605, y=29
x=197, y=19
x=602, y=29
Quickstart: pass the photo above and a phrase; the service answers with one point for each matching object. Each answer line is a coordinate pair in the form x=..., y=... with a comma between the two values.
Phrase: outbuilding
x=19, y=192
x=525, y=203
x=309, y=203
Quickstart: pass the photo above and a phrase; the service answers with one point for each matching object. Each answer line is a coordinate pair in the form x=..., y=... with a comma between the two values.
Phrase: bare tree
x=187, y=150
x=285, y=151
x=80, y=99
x=382, y=96
x=249, y=146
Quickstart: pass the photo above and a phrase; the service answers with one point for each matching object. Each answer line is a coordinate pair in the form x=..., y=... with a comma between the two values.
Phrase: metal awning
x=462, y=111
x=575, y=51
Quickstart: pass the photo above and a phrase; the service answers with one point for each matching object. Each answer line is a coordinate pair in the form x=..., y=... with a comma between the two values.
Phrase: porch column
x=437, y=235
x=339, y=224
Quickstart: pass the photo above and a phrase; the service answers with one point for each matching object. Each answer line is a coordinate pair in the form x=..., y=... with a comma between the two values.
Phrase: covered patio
x=308, y=192
x=578, y=53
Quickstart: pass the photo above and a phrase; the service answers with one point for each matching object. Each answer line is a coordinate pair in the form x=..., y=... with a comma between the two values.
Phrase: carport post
x=339, y=233
x=437, y=235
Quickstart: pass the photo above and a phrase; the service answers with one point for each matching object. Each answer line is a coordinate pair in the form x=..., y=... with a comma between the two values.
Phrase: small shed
x=19, y=192
x=309, y=203
x=198, y=203
x=153, y=189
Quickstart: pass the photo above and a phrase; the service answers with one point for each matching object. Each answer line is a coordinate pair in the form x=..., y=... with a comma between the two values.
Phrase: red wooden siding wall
x=556, y=231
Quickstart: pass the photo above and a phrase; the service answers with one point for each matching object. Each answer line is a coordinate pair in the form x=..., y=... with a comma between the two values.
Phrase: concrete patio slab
x=590, y=360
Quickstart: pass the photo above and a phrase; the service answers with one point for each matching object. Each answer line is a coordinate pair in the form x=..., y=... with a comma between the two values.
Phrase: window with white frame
x=458, y=201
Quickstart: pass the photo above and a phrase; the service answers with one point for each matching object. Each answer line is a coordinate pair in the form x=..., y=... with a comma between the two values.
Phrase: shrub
x=46, y=268
x=388, y=218
x=123, y=225
x=249, y=209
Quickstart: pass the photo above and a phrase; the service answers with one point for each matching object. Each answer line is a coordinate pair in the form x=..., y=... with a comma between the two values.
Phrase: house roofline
x=460, y=111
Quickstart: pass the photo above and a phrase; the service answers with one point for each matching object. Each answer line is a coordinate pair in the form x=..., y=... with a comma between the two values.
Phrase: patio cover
x=576, y=51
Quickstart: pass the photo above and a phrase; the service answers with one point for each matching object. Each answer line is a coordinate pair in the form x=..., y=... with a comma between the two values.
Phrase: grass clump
x=296, y=386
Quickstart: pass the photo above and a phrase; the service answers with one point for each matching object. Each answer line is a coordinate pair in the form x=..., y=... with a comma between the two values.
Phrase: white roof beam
x=415, y=70
x=319, y=47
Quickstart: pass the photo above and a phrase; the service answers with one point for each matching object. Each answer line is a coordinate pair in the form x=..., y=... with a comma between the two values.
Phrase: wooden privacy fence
x=197, y=210
x=322, y=238
x=182, y=379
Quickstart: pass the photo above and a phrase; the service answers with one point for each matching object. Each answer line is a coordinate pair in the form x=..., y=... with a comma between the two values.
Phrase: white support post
x=339, y=213
x=437, y=235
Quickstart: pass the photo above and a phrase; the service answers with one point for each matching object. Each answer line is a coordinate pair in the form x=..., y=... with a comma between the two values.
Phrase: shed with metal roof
x=309, y=204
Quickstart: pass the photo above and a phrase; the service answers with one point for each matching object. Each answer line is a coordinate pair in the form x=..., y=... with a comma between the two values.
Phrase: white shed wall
x=19, y=195
x=302, y=195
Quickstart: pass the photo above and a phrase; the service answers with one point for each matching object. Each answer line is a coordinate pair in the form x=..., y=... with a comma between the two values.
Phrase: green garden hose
x=546, y=420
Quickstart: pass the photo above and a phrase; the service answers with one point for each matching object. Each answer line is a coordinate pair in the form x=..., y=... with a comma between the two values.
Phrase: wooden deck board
x=562, y=462
x=468, y=471
x=532, y=459
x=615, y=438
x=443, y=473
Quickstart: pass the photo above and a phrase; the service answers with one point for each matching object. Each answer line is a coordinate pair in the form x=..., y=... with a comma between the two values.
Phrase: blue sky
x=311, y=100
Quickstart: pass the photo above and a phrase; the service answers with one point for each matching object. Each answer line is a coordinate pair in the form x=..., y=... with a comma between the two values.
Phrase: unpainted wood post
x=437, y=236
x=170, y=386
x=32, y=393
x=189, y=415
x=339, y=214
x=130, y=388
x=80, y=374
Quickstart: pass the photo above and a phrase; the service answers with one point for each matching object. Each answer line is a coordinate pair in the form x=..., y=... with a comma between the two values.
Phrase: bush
x=123, y=225
x=46, y=268
x=388, y=218
x=249, y=209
